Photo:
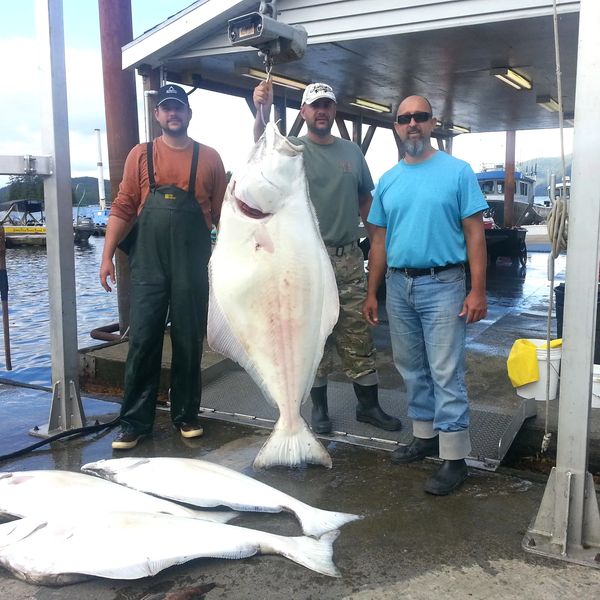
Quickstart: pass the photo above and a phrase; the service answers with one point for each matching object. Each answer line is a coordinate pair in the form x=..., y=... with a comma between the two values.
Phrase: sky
x=219, y=121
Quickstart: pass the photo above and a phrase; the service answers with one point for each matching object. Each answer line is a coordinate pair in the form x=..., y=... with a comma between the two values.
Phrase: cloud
x=20, y=118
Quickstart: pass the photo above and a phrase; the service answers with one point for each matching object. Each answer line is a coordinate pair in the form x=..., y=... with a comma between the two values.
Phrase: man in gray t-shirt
x=340, y=187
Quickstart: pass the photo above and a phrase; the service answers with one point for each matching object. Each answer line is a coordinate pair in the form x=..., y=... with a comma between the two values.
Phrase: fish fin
x=19, y=529
x=216, y=516
x=221, y=339
x=314, y=554
x=315, y=521
x=220, y=336
x=292, y=448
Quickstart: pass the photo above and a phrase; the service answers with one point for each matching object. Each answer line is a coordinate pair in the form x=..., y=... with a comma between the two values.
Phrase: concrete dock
x=408, y=545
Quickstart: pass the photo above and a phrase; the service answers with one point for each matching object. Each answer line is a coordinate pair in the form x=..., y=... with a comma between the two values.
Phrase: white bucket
x=537, y=389
x=596, y=387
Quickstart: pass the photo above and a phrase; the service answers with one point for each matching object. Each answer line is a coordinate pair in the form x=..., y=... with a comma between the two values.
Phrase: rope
x=268, y=68
x=557, y=227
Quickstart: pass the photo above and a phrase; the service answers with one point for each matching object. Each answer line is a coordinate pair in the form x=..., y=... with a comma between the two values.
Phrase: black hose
x=69, y=433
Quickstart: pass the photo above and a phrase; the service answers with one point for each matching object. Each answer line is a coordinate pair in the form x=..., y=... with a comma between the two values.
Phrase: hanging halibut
x=201, y=483
x=128, y=545
x=273, y=296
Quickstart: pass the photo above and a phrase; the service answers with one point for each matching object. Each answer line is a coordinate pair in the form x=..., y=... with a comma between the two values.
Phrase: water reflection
x=29, y=310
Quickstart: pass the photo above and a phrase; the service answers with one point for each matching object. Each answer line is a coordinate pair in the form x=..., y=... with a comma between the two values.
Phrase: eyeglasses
x=419, y=117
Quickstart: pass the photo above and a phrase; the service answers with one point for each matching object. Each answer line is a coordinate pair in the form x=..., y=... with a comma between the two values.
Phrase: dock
x=408, y=544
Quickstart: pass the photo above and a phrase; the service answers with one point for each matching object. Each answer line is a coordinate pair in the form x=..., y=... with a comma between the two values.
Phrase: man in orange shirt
x=168, y=201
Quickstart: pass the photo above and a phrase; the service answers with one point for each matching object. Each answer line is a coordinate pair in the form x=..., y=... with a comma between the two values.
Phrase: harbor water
x=28, y=303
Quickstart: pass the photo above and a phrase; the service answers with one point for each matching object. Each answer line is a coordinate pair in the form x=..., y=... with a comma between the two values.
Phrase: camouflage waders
x=351, y=336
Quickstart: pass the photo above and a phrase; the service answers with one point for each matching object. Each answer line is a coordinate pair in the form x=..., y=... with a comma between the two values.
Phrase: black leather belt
x=420, y=272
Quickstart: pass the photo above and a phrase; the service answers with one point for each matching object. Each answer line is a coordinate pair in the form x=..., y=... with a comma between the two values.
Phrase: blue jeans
x=428, y=343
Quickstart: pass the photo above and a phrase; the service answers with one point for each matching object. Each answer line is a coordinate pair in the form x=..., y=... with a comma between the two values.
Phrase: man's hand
x=263, y=100
x=263, y=97
x=370, y=310
x=107, y=269
x=474, y=307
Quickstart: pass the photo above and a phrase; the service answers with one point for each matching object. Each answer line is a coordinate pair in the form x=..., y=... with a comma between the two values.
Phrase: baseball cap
x=315, y=91
x=172, y=92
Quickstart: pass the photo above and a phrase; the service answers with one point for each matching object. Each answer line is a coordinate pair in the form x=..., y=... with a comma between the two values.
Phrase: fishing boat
x=543, y=205
x=492, y=182
x=24, y=225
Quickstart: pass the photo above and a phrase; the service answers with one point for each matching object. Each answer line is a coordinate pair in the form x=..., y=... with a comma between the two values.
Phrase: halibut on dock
x=130, y=545
x=44, y=493
x=201, y=483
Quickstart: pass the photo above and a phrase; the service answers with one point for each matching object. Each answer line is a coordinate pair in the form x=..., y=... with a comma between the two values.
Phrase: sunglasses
x=419, y=117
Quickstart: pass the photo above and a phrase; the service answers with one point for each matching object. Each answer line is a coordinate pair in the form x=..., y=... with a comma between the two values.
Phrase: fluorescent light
x=512, y=78
x=459, y=128
x=547, y=102
x=370, y=105
x=449, y=126
x=276, y=79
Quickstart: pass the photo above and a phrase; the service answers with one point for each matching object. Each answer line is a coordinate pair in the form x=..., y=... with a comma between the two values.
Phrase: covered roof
x=384, y=50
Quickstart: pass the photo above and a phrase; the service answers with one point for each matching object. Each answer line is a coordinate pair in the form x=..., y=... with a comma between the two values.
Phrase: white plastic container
x=537, y=389
x=596, y=387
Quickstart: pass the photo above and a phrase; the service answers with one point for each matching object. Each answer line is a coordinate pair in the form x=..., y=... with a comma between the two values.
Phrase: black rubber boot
x=369, y=411
x=320, y=422
x=448, y=478
x=418, y=449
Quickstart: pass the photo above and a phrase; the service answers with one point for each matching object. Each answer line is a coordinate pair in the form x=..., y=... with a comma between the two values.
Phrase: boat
x=24, y=225
x=491, y=182
x=542, y=206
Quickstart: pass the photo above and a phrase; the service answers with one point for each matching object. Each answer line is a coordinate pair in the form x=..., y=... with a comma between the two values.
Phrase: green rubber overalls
x=169, y=249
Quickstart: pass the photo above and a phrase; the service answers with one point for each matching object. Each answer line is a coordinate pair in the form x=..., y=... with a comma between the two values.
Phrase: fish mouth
x=252, y=213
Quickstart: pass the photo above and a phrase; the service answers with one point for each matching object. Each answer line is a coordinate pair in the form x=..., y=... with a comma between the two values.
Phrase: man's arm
x=377, y=267
x=116, y=230
x=475, y=305
x=263, y=100
x=364, y=206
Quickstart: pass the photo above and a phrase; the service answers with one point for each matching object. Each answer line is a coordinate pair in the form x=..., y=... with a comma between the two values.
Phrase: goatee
x=414, y=147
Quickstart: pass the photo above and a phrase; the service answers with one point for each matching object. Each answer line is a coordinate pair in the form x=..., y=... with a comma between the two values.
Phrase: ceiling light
x=548, y=103
x=448, y=126
x=370, y=105
x=276, y=79
x=458, y=128
x=512, y=78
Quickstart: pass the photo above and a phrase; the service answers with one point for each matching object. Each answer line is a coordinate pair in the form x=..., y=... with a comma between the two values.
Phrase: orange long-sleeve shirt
x=171, y=167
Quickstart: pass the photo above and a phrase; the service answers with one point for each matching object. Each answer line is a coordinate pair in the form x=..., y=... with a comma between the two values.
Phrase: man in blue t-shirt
x=427, y=215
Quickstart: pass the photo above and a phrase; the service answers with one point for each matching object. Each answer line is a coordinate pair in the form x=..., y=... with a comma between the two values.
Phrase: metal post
x=149, y=119
x=509, y=179
x=66, y=411
x=567, y=525
x=120, y=106
x=101, y=191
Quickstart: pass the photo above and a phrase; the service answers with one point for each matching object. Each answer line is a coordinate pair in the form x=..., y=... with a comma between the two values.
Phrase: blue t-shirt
x=422, y=206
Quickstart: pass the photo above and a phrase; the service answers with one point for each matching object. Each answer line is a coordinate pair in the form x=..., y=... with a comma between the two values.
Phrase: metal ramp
x=233, y=396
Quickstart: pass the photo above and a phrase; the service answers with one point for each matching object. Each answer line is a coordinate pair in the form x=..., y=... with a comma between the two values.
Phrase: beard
x=322, y=131
x=175, y=129
x=414, y=147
